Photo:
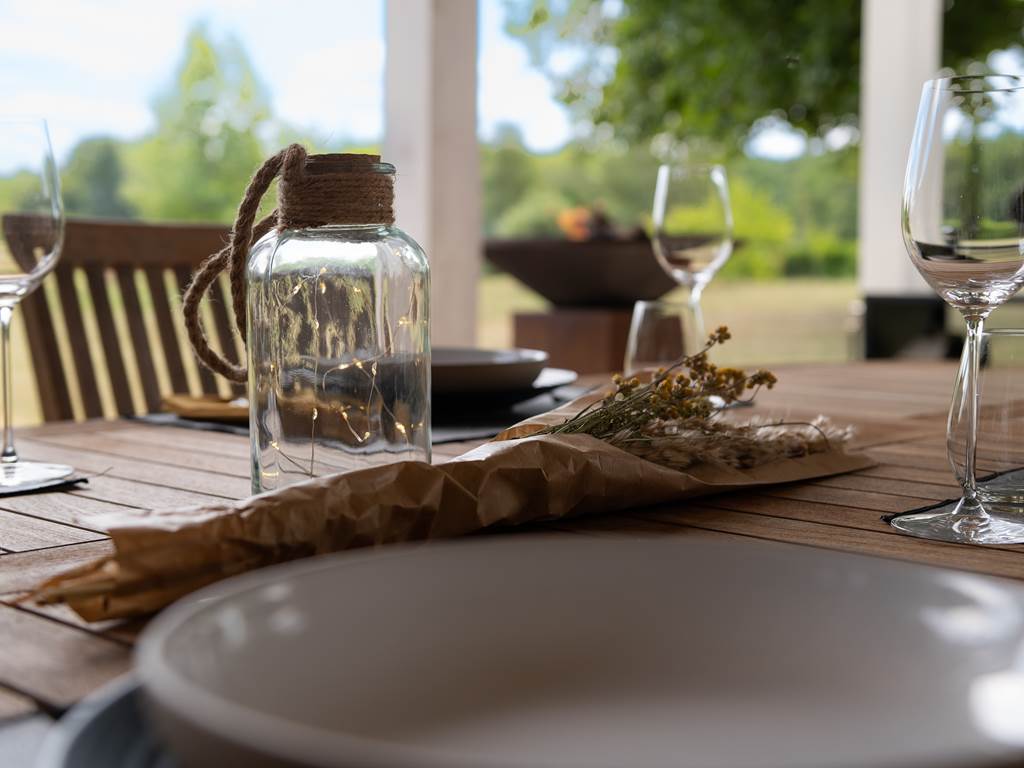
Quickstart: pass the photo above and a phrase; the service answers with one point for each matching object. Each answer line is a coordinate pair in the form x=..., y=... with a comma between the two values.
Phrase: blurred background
x=162, y=111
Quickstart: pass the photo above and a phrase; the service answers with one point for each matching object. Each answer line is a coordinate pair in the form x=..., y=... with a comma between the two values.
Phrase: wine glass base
x=31, y=475
x=961, y=525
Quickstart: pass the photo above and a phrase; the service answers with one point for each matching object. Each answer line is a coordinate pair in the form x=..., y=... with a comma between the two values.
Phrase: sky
x=95, y=66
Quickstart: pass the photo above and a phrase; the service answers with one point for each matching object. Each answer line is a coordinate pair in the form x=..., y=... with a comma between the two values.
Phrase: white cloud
x=511, y=91
x=840, y=137
x=777, y=142
x=95, y=66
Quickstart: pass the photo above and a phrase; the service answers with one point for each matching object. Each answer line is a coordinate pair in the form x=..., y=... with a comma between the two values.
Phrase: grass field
x=779, y=321
x=771, y=322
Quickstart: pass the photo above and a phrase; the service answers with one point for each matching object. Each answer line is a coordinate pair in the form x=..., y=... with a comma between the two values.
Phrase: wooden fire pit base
x=583, y=339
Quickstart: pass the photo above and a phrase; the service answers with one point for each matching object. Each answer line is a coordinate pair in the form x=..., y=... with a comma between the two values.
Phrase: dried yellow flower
x=671, y=419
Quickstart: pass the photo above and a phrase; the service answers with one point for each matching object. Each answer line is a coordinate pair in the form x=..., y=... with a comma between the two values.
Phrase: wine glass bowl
x=32, y=217
x=962, y=198
x=692, y=236
x=31, y=236
x=32, y=246
x=963, y=226
x=692, y=223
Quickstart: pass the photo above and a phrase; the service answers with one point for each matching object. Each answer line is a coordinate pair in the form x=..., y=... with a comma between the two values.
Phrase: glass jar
x=339, y=351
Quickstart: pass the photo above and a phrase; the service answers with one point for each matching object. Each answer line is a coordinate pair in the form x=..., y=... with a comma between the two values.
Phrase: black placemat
x=451, y=423
x=64, y=484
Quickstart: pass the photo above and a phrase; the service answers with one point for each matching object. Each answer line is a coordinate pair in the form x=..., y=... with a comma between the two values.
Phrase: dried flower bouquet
x=673, y=420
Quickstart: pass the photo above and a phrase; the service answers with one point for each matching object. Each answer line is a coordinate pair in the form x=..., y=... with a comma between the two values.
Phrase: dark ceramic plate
x=457, y=370
x=446, y=403
x=107, y=730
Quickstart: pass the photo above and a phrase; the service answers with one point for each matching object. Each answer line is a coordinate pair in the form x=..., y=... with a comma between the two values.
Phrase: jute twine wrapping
x=315, y=190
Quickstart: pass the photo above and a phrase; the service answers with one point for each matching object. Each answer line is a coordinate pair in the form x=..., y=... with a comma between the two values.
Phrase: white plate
x=576, y=652
x=455, y=369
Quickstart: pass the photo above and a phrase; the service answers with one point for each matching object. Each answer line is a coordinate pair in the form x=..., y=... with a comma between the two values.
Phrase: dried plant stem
x=674, y=418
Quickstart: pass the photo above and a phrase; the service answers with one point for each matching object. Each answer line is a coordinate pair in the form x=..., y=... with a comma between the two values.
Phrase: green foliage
x=818, y=190
x=793, y=218
x=509, y=173
x=995, y=187
x=526, y=201
x=533, y=215
x=19, y=192
x=92, y=180
x=822, y=254
x=764, y=229
x=206, y=145
x=713, y=68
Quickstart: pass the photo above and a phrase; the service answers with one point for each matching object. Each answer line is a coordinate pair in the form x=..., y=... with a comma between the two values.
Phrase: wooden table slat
x=54, y=663
x=170, y=453
x=138, y=469
x=21, y=571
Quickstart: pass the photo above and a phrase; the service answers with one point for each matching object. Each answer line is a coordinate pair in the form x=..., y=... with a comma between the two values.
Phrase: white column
x=901, y=47
x=430, y=135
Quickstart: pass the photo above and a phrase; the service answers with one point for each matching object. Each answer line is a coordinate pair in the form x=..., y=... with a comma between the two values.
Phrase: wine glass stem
x=973, y=341
x=693, y=301
x=9, y=455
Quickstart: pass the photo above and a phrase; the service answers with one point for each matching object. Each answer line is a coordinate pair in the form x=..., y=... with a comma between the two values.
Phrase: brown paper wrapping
x=162, y=555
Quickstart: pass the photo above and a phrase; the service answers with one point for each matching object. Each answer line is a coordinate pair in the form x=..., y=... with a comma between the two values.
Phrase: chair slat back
x=139, y=340
x=75, y=328
x=109, y=340
x=165, y=326
x=207, y=380
x=95, y=365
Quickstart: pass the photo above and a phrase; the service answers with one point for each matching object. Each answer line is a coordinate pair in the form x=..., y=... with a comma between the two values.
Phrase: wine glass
x=661, y=332
x=963, y=226
x=692, y=228
x=32, y=229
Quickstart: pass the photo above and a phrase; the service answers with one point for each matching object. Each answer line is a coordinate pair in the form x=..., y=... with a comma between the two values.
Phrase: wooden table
x=49, y=658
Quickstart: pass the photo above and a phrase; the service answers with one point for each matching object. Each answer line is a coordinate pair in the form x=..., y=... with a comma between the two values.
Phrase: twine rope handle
x=314, y=190
x=233, y=258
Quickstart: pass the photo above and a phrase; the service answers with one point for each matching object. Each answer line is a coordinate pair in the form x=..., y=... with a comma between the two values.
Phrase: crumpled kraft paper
x=160, y=556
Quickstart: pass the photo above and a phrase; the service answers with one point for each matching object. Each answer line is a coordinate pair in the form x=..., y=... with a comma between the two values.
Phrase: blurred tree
x=533, y=215
x=507, y=174
x=796, y=217
x=92, y=178
x=715, y=68
x=207, y=139
x=18, y=191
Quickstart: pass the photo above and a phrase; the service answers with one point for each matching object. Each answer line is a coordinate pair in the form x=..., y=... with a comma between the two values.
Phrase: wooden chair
x=109, y=254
